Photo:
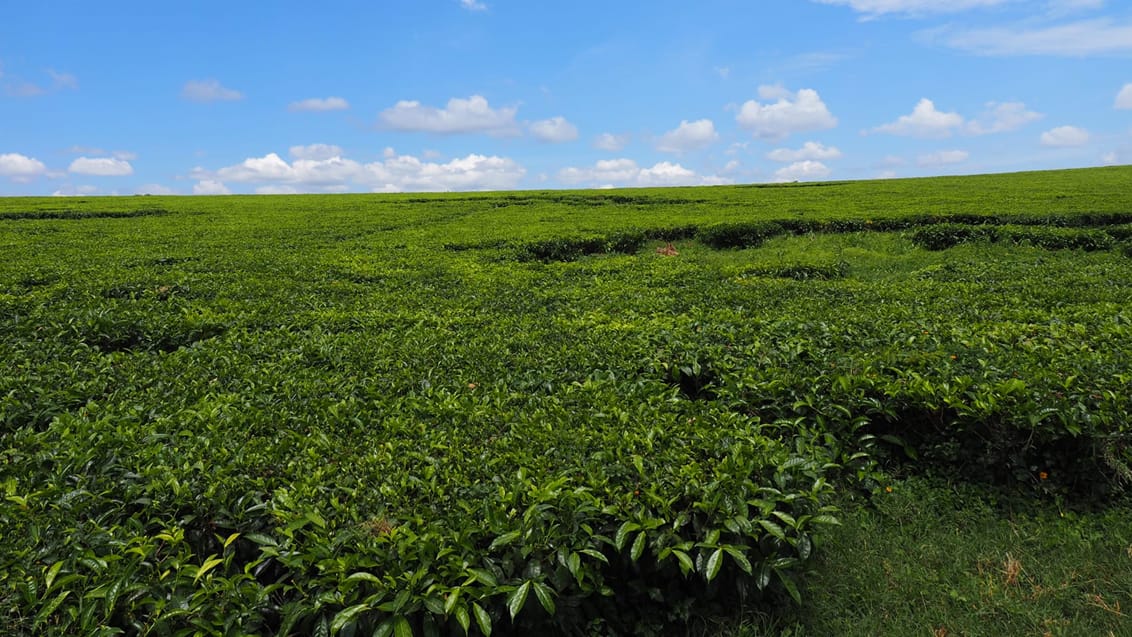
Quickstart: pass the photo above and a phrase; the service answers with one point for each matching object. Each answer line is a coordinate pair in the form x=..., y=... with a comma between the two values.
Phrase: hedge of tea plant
x=508, y=413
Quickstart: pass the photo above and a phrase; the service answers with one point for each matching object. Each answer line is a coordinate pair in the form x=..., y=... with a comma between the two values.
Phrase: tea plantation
x=624, y=412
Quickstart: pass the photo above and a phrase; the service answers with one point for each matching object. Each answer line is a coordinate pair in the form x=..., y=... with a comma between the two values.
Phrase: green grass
x=507, y=411
x=936, y=558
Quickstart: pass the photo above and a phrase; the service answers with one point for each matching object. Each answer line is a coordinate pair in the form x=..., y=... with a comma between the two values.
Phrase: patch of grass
x=928, y=557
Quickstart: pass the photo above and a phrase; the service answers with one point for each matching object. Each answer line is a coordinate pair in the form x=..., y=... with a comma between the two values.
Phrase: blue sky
x=206, y=97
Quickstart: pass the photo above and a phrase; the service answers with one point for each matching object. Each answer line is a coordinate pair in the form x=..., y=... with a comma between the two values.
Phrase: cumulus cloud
x=924, y=121
x=943, y=158
x=315, y=151
x=19, y=87
x=101, y=166
x=809, y=150
x=1075, y=39
x=790, y=113
x=1065, y=137
x=210, y=187
x=473, y=172
x=318, y=104
x=395, y=173
x=473, y=5
x=626, y=172
x=1002, y=117
x=276, y=190
x=77, y=191
x=610, y=142
x=911, y=7
x=605, y=170
x=1124, y=97
x=688, y=136
x=471, y=115
x=272, y=167
x=802, y=171
x=61, y=81
x=554, y=130
x=209, y=91
x=20, y=168
x=154, y=189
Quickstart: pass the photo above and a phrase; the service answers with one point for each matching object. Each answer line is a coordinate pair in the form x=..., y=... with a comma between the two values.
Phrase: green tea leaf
x=714, y=563
x=483, y=620
x=517, y=598
x=545, y=597
x=638, y=547
x=346, y=616
x=505, y=539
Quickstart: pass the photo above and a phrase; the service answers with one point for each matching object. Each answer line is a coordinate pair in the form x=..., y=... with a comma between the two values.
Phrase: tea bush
x=391, y=414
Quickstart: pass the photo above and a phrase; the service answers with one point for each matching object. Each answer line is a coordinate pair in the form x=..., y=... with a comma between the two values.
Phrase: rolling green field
x=864, y=408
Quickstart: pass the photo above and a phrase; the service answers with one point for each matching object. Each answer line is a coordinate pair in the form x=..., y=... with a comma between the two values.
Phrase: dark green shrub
x=561, y=249
x=672, y=233
x=750, y=234
x=802, y=271
x=947, y=235
x=1057, y=238
x=626, y=242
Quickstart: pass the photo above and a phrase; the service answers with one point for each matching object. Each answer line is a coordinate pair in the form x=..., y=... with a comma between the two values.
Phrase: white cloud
x=125, y=155
x=1075, y=39
x=61, y=81
x=472, y=115
x=474, y=172
x=809, y=150
x=1002, y=117
x=924, y=121
x=605, y=170
x=610, y=142
x=154, y=189
x=209, y=91
x=1109, y=159
x=210, y=187
x=1065, y=137
x=18, y=87
x=943, y=158
x=791, y=113
x=20, y=168
x=395, y=173
x=85, y=150
x=666, y=174
x=316, y=151
x=276, y=190
x=101, y=166
x=319, y=104
x=76, y=191
x=473, y=5
x=273, y=168
x=688, y=136
x=554, y=130
x=626, y=172
x=723, y=71
x=802, y=171
x=912, y=7
x=890, y=161
x=1124, y=97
